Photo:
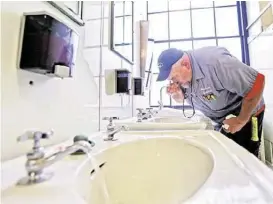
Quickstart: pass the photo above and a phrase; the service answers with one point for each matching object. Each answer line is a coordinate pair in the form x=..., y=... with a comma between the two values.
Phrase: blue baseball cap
x=165, y=62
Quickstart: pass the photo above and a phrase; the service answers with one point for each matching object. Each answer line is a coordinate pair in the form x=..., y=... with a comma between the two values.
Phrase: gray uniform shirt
x=221, y=77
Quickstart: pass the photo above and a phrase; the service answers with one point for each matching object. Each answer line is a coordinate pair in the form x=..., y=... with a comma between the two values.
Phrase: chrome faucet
x=139, y=115
x=112, y=129
x=36, y=160
x=145, y=115
x=161, y=98
x=151, y=112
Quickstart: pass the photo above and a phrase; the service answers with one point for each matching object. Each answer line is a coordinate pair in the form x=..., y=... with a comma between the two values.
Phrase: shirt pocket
x=222, y=99
x=217, y=100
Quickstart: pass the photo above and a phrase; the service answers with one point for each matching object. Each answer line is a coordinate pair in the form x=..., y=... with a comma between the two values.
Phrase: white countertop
x=237, y=177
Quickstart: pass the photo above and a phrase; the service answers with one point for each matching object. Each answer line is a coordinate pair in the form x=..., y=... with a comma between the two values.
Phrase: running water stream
x=96, y=177
x=100, y=177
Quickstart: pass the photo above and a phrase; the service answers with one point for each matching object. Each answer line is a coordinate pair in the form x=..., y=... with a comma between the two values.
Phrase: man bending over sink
x=223, y=88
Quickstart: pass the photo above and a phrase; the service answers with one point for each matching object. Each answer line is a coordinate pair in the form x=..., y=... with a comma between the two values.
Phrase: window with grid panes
x=191, y=25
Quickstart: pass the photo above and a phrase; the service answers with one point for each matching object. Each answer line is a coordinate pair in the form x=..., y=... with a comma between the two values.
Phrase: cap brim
x=163, y=75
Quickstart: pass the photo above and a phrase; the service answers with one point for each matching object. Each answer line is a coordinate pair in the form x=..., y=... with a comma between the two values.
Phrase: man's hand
x=175, y=92
x=234, y=124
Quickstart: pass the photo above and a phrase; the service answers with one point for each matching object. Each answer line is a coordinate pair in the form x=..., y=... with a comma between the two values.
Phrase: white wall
x=260, y=50
x=68, y=106
x=51, y=103
x=94, y=13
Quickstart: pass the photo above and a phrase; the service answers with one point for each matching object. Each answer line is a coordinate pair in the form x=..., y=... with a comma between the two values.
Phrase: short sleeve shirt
x=220, y=81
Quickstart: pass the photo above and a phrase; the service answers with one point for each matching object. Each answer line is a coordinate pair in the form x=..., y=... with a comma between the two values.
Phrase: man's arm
x=243, y=80
x=252, y=99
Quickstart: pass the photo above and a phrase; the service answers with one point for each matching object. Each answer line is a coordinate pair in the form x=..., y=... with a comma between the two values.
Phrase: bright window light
x=203, y=43
x=203, y=23
x=180, y=24
x=227, y=26
x=201, y=4
x=233, y=45
x=159, y=26
x=184, y=45
x=157, y=6
x=158, y=48
x=178, y=5
x=155, y=93
x=224, y=3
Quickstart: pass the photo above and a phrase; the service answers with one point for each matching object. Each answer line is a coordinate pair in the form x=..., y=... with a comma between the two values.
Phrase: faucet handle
x=149, y=110
x=35, y=135
x=36, y=152
x=139, y=110
x=110, y=118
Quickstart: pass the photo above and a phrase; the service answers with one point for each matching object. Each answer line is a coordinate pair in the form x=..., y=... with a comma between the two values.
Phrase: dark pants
x=243, y=137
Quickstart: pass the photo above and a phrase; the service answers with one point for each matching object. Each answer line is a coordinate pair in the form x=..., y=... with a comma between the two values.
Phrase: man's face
x=181, y=73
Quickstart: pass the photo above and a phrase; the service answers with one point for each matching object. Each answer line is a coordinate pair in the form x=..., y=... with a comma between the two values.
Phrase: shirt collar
x=196, y=69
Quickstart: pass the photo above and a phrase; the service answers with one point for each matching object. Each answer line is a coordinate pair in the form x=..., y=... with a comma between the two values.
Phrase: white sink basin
x=175, y=120
x=39, y=193
x=165, y=123
x=166, y=112
x=149, y=171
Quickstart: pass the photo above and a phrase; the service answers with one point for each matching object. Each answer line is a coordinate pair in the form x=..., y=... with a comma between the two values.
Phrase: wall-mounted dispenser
x=47, y=45
x=137, y=86
x=117, y=81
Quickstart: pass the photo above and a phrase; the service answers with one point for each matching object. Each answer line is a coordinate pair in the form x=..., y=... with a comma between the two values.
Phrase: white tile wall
x=253, y=10
x=108, y=100
x=92, y=57
x=268, y=123
x=69, y=106
x=91, y=10
x=261, y=52
x=109, y=60
x=268, y=96
x=92, y=33
x=105, y=31
x=106, y=8
x=51, y=103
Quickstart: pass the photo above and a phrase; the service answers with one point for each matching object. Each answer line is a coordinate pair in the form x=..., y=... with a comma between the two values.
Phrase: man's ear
x=185, y=61
x=181, y=62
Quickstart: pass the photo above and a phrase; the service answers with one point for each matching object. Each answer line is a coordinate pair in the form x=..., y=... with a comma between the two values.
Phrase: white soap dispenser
x=117, y=81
